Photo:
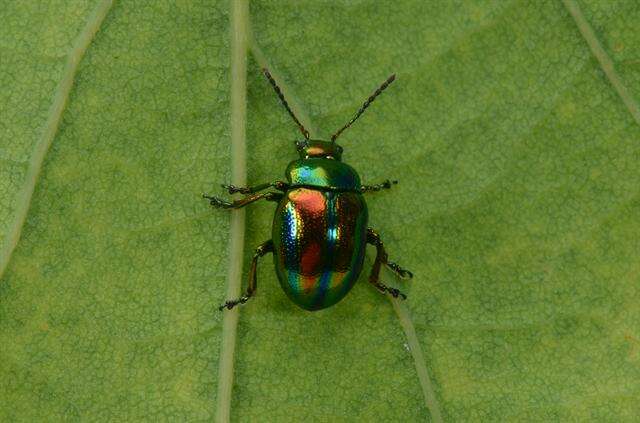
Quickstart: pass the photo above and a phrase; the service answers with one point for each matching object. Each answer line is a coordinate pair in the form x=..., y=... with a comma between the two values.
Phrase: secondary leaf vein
x=52, y=124
x=263, y=62
x=603, y=58
x=430, y=397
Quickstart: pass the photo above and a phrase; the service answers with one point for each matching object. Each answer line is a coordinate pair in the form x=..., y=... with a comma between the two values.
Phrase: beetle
x=319, y=230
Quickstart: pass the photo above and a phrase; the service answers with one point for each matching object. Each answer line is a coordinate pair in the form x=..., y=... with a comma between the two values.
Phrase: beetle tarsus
x=377, y=187
x=400, y=271
x=231, y=304
x=394, y=292
x=232, y=189
x=217, y=201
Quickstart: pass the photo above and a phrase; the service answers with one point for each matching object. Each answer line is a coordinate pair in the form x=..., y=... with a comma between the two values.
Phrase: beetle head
x=318, y=149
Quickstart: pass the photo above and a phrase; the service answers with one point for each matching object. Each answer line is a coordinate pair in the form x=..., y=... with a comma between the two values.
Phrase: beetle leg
x=382, y=258
x=264, y=248
x=279, y=185
x=377, y=187
x=224, y=204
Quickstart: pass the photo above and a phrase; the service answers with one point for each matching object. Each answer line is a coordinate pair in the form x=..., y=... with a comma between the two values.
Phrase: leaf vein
x=239, y=29
x=603, y=58
x=430, y=398
x=263, y=62
x=52, y=124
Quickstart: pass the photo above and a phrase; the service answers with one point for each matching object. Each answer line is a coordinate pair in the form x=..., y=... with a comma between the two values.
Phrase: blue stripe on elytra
x=332, y=217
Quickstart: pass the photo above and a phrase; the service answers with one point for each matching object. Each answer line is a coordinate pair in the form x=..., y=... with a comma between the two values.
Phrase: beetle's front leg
x=377, y=187
x=382, y=258
x=224, y=204
x=264, y=248
x=279, y=185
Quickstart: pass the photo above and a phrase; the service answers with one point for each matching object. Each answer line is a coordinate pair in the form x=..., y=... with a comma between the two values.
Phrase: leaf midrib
x=242, y=42
x=238, y=74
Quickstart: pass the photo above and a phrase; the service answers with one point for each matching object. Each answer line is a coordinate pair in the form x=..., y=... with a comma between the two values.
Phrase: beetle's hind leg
x=264, y=248
x=382, y=258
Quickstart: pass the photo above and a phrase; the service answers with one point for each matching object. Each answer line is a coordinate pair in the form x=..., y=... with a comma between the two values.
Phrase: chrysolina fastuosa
x=319, y=231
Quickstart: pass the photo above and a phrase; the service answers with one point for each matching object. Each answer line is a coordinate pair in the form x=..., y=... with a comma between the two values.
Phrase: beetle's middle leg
x=224, y=204
x=264, y=248
x=382, y=258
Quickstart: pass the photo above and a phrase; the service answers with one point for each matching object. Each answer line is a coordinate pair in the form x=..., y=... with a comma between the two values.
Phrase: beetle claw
x=396, y=293
x=387, y=184
x=228, y=305
x=406, y=274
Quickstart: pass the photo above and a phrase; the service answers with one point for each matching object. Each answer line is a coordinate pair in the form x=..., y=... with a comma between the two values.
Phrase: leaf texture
x=517, y=210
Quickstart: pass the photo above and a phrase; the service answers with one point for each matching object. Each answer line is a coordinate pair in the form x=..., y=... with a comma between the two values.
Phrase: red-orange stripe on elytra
x=308, y=282
x=310, y=260
x=309, y=201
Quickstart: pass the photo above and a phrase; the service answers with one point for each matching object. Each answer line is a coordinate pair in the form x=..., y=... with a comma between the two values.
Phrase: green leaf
x=513, y=129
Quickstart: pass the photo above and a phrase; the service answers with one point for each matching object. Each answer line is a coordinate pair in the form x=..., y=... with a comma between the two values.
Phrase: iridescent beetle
x=319, y=231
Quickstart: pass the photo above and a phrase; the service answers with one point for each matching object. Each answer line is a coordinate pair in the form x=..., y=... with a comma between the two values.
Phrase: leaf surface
x=517, y=210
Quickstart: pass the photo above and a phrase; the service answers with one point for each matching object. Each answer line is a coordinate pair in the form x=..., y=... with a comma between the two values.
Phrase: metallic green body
x=319, y=232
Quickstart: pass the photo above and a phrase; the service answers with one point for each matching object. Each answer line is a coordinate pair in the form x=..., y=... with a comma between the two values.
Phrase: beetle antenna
x=366, y=104
x=284, y=102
